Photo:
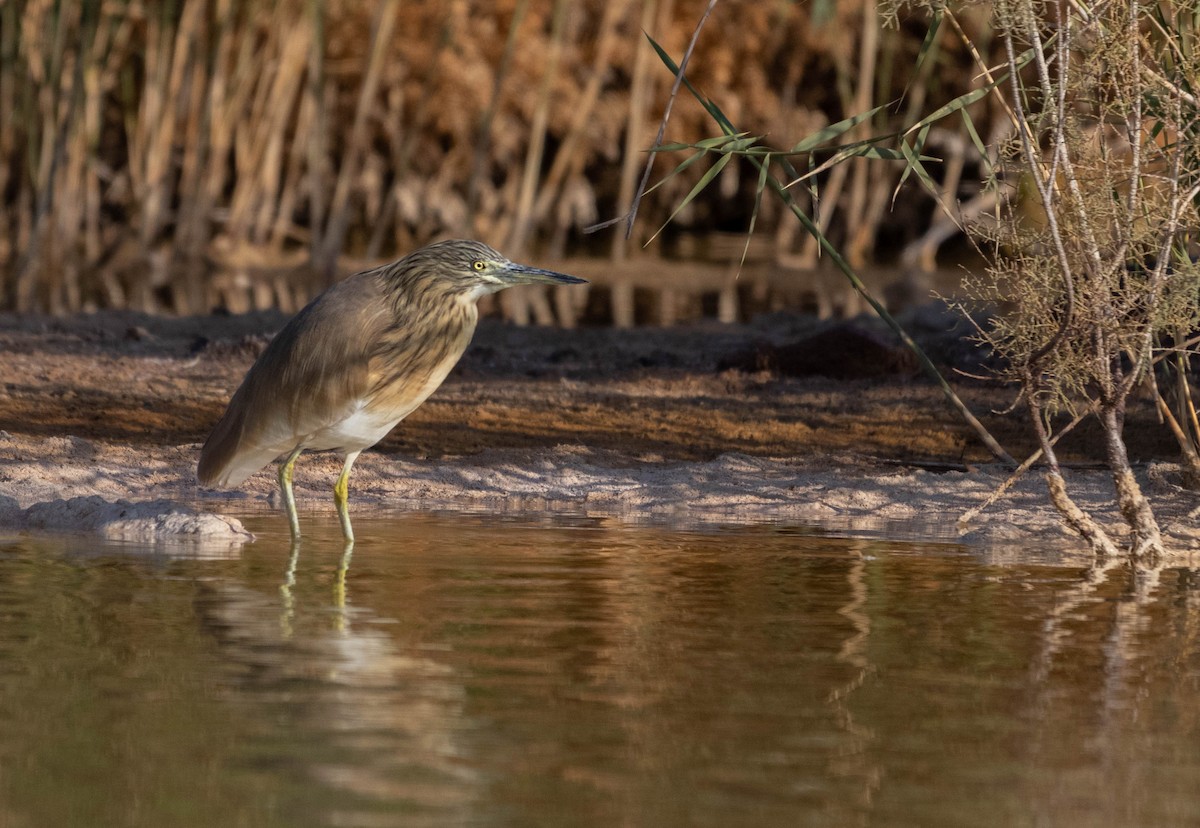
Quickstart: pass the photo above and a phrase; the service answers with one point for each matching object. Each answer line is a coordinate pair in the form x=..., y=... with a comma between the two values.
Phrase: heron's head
x=474, y=267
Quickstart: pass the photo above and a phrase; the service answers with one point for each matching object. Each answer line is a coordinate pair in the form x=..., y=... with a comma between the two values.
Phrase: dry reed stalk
x=537, y=134
x=280, y=124
x=198, y=120
x=339, y=209
x=1183, y=436
x=641, y=85
x=190, y=233
x=518, y=304
x=203, y=162
x=43, y=251
x=294, y=175
x=98, y=82
x=9, y=45
x=166, y=64
x=315, y=146
x=860, y=99
x=483, y=135
x=858, y=235
x=571, y=152
x=405, y=132
x=260, y=144
x=227, y=92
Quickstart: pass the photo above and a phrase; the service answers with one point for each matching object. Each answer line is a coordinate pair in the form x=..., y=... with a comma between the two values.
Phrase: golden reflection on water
x=459, y=668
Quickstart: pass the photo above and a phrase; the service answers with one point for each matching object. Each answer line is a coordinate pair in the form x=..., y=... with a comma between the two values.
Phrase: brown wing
x=304, y=380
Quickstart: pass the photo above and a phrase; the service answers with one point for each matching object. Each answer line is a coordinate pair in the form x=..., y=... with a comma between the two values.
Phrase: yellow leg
x=341, y=496
x=289, y=499
x=339, y=587
x=288, y=608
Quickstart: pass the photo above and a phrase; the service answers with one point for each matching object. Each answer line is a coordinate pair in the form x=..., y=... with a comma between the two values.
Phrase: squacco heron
x=355, y=362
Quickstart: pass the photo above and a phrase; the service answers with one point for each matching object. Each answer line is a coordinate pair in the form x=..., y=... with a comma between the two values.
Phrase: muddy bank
x=642, y=423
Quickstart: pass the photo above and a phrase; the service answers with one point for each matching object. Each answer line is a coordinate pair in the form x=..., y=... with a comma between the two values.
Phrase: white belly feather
x=362, y=424
x=359, y=429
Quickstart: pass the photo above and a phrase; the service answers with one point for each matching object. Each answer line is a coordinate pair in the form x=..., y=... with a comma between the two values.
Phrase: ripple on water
x=461, y=668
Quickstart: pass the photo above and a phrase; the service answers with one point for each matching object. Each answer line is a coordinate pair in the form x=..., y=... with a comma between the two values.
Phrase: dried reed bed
x=177, y=156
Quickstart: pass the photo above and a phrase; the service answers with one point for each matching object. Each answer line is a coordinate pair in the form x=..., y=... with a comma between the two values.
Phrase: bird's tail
x=225, y=460
x=235, y=470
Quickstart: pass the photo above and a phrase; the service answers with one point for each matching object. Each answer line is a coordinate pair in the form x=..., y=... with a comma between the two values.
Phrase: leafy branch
x=736, y=143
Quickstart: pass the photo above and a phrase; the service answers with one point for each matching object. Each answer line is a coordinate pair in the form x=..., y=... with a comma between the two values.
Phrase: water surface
x=474, y=670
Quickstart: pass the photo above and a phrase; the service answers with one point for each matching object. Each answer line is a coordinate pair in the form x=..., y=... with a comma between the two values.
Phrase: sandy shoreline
x=120, y=492
x=101, y=418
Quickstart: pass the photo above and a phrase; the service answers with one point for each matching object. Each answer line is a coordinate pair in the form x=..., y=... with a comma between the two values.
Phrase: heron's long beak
x=520, y=274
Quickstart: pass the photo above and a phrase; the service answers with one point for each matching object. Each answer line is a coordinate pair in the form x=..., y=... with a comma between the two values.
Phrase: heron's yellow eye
x=479, y=264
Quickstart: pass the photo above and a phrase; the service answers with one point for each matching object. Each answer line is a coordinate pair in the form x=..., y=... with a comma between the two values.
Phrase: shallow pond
x=464, y=669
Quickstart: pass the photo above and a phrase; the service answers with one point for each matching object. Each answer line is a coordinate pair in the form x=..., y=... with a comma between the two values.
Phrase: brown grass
x=149, y=147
